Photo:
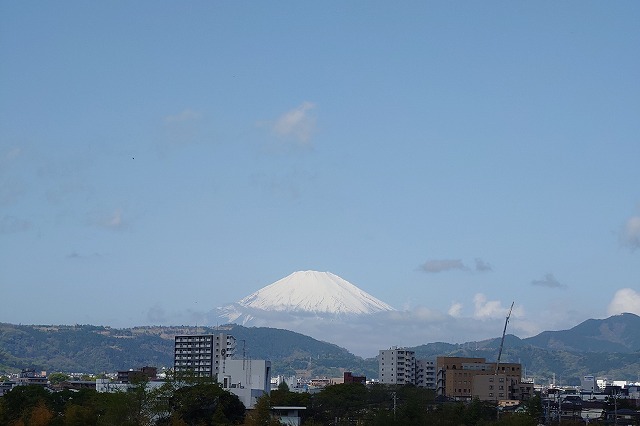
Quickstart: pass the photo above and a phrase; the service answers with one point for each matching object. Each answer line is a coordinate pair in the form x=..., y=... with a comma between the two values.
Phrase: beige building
x=467, y=378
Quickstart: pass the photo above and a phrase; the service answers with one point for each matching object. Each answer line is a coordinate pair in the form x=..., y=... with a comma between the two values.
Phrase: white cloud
x=625, y=300
x=441, y=265
x=297, y=124
x=455, y=310
x=548, y=281
x=630, y=235
x=487, y=308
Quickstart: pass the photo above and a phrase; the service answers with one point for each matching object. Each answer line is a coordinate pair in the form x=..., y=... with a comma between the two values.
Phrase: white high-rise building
x=203, y=355
x=397, y=366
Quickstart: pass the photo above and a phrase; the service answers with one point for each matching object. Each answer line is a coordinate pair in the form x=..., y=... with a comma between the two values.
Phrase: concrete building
x=467, y=378
x=249, y=379
x=588, y=384
x=31, y=377
x=289, y=416
x=348, y=377
x=397, y=366
x=145, y=373
x=203, y=355
x=425, y=373
x=106, y=385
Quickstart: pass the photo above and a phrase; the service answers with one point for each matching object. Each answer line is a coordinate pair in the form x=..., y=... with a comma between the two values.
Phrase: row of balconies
x=195, y=358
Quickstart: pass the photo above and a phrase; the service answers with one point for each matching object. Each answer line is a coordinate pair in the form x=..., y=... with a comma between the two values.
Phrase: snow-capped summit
x=306, y=292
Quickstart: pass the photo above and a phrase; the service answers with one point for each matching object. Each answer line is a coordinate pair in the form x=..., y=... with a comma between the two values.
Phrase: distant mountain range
x=604, y=347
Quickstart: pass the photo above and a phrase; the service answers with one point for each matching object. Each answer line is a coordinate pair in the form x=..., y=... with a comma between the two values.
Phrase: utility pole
x=394, y=406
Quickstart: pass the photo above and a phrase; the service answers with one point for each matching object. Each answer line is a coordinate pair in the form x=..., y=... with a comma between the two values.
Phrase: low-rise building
x=463, y=378
x=289, y=416
x=249, y=379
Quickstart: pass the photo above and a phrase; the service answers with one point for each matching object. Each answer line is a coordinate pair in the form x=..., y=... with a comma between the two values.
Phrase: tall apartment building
x=466, y=378
x=425, y=374
x=203, y=355
x=397, y=366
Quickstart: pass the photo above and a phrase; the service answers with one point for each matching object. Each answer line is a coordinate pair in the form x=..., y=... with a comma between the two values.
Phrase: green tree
x=282, y=396
x=57, y=378
x=199, y=404
x=534, y=407
x=40, y=415
x=260, y=415
x=79, y=415
x=19, y=403
x=338, y=401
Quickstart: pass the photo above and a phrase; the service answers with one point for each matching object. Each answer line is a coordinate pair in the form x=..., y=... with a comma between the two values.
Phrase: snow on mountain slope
x=307, y=292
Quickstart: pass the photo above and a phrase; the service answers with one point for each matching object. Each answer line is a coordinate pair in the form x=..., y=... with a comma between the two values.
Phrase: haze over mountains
x=319, y=304
x=328, y=307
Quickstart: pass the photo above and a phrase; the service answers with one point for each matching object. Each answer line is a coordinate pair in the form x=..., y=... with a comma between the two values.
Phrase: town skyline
x=160, y=160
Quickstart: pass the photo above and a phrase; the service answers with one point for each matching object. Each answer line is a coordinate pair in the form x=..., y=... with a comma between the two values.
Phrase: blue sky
x=160, y=159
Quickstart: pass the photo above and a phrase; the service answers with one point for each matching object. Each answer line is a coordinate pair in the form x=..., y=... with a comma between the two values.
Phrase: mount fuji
x=320, y=295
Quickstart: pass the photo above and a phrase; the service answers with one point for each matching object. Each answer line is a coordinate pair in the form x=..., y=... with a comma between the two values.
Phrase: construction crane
x=502, y=341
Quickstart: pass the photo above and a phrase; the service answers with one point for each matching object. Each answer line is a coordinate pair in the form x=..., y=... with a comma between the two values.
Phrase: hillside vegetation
x=607, y=347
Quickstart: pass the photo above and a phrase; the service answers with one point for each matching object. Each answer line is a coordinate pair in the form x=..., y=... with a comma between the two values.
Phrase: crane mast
x=503, y=333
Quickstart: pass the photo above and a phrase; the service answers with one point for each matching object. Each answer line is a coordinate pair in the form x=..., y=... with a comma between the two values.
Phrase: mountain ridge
x=88, y=348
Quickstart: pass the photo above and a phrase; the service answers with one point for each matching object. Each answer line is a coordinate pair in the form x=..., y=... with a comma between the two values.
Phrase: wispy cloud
x=76, y=255
x=12, y=224
x=160, y=316
x=183, y=128
x=482, y=266
x=11, y=186
x=287, y=184
x=297, y=125
x=184, y=116
x=10, y=155
x=441, y=265
x=455, y=310
x=113, y=220
x=548, y=281
x=625, y=300
x=630, y=235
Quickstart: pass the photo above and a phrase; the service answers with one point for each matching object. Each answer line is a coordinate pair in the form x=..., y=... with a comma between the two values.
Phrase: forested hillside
x=569, y=354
